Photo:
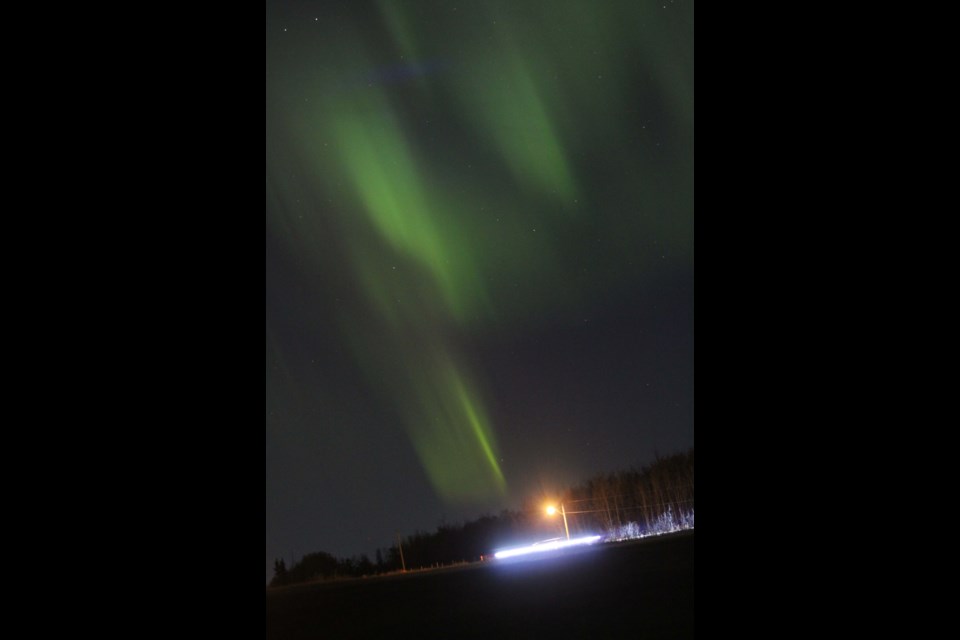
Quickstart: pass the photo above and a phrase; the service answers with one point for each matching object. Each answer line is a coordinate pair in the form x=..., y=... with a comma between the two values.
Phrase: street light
x=551, y=510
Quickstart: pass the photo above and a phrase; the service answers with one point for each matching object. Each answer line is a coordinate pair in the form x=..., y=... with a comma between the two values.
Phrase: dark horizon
x=533, y=506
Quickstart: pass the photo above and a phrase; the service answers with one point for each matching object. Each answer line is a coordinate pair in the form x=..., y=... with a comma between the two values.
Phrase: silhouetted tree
x=279, y=573
x=313, y=566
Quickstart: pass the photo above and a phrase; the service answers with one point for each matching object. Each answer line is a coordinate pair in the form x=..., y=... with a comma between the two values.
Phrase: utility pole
x=563, y=511
x=400, y=546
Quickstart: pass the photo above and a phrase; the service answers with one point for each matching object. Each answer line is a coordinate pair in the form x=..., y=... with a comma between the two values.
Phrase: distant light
x=545, y=546
x=551, y=510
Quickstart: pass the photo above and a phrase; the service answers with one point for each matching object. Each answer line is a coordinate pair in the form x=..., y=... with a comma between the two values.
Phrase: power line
x=625, y=508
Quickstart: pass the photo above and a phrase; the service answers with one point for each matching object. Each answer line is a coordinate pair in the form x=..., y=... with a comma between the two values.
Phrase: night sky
x=479, y=257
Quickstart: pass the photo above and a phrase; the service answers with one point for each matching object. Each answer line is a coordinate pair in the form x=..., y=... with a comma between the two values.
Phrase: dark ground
x=640, y=590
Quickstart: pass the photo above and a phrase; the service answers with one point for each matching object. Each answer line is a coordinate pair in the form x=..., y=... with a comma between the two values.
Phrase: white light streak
x=545, y=546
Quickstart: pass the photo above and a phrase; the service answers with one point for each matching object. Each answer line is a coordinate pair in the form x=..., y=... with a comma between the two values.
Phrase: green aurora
x=453, y=168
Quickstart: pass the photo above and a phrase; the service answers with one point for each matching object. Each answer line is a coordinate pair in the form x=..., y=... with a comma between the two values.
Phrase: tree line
x=609, y=502
x=655, y=498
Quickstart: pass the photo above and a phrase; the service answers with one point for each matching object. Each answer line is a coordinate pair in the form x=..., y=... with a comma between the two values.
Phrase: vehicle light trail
x=545, y=546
